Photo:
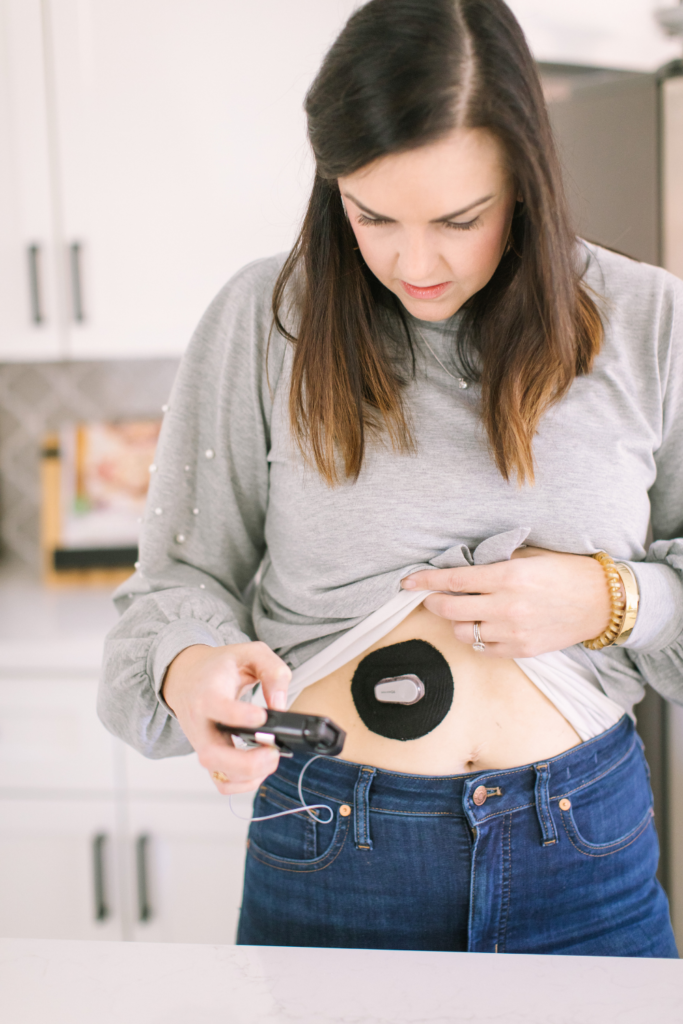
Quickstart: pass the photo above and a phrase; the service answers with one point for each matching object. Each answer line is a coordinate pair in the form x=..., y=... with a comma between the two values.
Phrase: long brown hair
x=404, y=73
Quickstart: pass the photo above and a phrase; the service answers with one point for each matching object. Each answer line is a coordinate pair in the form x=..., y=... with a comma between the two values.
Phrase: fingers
x=470, y=579
x=226, y=787
x=502, y=642
x=461, y=609
x=229, y=788
x=265, y=666
x=205, y=684
x=244, y=769
x=464, y=631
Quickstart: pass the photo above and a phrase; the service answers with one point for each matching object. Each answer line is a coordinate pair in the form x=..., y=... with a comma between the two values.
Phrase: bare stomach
x=498, y=718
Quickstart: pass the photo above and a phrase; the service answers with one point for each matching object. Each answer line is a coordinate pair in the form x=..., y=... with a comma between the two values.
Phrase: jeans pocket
x=613, y=811
x=294, y=842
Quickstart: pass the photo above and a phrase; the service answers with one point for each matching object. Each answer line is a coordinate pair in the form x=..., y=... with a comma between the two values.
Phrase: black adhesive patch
x=401, y=721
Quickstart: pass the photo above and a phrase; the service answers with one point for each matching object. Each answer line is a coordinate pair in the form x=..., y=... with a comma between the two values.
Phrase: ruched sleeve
x=202, y=537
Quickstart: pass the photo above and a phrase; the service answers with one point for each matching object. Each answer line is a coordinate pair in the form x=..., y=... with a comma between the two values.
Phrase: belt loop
x=362, y=808
x=545, y=818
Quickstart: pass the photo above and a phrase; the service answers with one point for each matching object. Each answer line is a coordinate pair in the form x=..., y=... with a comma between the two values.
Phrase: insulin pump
x=293, y=734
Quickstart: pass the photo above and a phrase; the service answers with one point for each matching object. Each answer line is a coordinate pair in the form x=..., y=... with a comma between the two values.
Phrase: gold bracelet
x=632, y=601
x=620, y=608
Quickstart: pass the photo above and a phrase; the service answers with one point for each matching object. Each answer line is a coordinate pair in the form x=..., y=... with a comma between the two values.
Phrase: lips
x=434, y=291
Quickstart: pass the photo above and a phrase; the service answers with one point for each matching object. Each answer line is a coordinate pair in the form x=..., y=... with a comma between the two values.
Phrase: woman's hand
x=203, y=685
x=539, y=601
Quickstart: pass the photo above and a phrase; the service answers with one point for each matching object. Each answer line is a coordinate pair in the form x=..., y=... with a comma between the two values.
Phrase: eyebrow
x=437, y=220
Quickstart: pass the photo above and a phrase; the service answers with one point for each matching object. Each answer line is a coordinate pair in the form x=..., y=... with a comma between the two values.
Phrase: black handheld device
x=293, y=733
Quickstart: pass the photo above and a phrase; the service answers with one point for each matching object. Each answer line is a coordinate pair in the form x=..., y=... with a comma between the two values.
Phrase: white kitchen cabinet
x=168, y=777
x=97, y=841
x=185, y=851
x=58, y=869
x=173, y=141
x=31, y=320
x=51, y=738
x=186, y=860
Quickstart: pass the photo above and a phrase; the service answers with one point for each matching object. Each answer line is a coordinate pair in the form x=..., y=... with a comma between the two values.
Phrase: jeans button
x=565, y=804
x=479, y=795
x=344, y=810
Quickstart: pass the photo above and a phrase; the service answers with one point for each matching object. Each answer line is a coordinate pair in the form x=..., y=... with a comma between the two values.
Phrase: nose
x=418, y=259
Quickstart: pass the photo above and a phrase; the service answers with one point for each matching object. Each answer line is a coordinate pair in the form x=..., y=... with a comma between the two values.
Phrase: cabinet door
x=58, y=877
x=186, y=863
x=51, y=738
x=167, y=777
x=30, y=317
x=183, y=154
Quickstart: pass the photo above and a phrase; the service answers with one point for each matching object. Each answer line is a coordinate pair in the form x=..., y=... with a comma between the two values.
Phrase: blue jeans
x=555, y=857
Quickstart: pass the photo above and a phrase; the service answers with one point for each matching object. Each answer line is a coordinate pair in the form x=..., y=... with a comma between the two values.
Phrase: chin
x=433, y=311
x=435, y=314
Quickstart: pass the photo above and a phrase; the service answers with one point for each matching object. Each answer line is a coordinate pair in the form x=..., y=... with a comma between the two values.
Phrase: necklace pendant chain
x=463, y=384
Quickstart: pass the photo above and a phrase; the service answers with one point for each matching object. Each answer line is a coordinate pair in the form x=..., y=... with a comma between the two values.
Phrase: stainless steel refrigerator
x=620, y=136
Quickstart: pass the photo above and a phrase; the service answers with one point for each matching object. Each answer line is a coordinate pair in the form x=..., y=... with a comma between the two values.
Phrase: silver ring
x=478, y=644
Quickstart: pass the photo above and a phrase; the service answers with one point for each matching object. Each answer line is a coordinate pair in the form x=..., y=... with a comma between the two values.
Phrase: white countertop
x=51, y=629
x=56, y=982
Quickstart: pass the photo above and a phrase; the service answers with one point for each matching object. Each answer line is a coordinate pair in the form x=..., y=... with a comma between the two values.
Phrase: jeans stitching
x=597, y=778
x=504, y=810
x=549, y=833
x=298, y=867
x=617, y=846
x=569, y=792
x=361, y=802
x=560, y=796
x=540, y=804
x=473, y=879
x=419, y=814
x=505, y=914
x=349, y=799
x=281, y=800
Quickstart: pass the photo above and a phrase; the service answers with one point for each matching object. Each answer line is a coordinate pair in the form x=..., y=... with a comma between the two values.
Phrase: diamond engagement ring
x=478, y=644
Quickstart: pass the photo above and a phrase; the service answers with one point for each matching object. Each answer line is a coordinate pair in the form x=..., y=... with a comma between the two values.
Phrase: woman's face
x=433, y=223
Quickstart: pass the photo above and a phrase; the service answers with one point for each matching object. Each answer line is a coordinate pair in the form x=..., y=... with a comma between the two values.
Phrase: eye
x=362, y=219
x=462, y=225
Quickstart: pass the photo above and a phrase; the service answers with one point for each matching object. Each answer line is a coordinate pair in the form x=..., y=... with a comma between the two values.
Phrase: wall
x=38, y=397
x=606, y=33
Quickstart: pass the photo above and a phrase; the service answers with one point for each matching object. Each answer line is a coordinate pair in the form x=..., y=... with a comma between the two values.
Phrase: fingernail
x=408, y=584
x=279, y=700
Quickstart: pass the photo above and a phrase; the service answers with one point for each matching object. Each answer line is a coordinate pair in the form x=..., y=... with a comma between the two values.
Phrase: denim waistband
x=478, y=795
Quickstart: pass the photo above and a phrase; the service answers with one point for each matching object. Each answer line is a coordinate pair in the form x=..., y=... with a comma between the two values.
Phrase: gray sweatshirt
x=242, y=540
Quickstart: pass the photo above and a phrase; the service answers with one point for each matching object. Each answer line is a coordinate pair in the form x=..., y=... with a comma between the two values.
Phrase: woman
x=390, y=458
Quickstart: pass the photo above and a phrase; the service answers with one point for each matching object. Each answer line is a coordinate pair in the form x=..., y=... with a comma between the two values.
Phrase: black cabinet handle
x=100, y=889
x=33, y=253
x=141, y=851
x=75, y=254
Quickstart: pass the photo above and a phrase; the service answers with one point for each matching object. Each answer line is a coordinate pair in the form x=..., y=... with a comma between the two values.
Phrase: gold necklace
x=462, y=382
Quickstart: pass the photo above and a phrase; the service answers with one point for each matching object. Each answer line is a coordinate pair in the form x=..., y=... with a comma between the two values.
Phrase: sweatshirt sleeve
x=202, y=537
x=656, y=644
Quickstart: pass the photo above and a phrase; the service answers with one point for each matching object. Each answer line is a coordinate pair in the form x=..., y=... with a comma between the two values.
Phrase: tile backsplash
x=36, y=398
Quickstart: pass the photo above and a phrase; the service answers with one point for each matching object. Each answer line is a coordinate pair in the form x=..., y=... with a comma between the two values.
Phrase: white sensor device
x=407, y=689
